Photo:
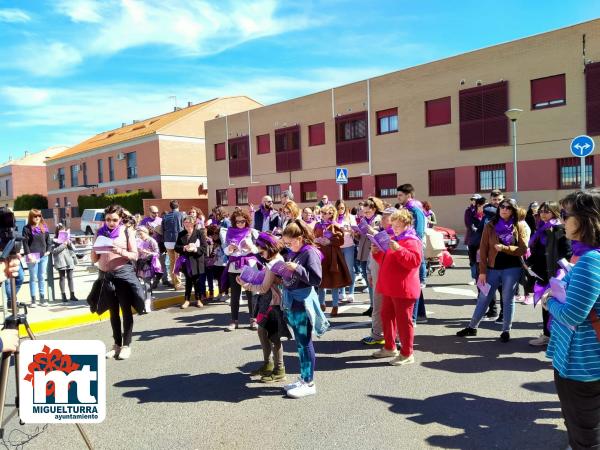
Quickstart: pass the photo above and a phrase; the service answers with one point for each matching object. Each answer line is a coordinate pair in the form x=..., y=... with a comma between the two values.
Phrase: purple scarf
x=235, y=235
x=540, y=233
x=504, y=230
x=369, y=221
x=265, y=212
x=107, y=232
x=322, y=225
x=579, y=248
x=306, y=247
x=409, y=233
x=427, y=213
x=39, y=230
x=340, y=220
x=412, y=204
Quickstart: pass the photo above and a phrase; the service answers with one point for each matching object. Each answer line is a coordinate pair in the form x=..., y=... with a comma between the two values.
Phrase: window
x=482, y=119
x=61, y=178
x=100, y=171
x=437, y=112
x=84, y=171
x=351, y=138
x=7, y=187
x=309, y=191
x=111, y=169
x=220, y=151
x=131, y=165
x=287, y=149
x=387, y=121
x=569, y=172
x=548, y=92
x=222, y=199
x=441, y=182
x=353, y=189
x=385, y=185
x=239, y=162
x=263, y=144
x=74, y=177
x=241, y=196
x=316, y=134
x=592, y=97
x=491, y=177
x=274, y=191
x=57, y=204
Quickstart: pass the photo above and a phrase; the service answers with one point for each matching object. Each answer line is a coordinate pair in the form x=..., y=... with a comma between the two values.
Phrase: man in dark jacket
x=172, y=225
x=266, y=218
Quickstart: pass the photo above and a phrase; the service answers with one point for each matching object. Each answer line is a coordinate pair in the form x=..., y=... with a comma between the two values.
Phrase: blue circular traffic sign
x=582, y=146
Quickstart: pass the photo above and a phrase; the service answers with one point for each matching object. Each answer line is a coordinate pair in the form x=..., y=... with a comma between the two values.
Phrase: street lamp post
x=513, y=114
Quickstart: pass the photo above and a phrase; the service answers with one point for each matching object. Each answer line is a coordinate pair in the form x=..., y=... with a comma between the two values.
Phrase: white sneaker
x=385, y=353
x=295, y=384
x=471, y=283
x=402, y=360
x=148, y=305
x=33, y=305
x=349, y=299
x=114, y=352
x=304, y=390
x=539, y=341
x=423, y=285
x=125, y=352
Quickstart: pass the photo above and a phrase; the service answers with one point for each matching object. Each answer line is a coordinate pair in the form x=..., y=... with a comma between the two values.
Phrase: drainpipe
x=250, y=150
x=369, y=127
x=227, y=149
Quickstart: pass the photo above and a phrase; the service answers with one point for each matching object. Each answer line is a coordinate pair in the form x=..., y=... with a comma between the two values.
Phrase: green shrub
x=131, y=201
x=26, y=202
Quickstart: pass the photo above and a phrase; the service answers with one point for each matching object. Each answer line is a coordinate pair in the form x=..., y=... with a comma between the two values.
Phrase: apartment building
x=440, y=126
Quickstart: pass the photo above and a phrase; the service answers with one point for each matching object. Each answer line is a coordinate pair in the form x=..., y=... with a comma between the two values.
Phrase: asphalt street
x=187, y=386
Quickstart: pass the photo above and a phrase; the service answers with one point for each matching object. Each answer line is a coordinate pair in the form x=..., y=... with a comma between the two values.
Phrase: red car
x=450, y=238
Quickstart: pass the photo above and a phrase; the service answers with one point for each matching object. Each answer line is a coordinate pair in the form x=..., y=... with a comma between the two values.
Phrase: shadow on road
x=186, y=388
x=484, y=422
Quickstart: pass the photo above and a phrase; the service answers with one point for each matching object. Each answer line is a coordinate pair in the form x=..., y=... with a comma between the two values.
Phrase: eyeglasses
x=37, y=217
x=111, y=220
x=544, y=211
x=154, y=212
x=240, y=222
x=327, y=213
x=269, y=202
x=505, y=206
x=564, y=215
x=287, y=244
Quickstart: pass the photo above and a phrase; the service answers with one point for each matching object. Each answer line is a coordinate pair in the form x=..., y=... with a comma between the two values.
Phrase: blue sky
x=72, y=68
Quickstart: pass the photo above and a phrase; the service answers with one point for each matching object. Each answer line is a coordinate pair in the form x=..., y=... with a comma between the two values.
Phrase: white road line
x=455, y=291
x=350, y=325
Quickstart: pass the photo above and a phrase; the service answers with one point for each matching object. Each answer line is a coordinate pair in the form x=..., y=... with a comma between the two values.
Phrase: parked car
x=450, y=238
x=91, y=220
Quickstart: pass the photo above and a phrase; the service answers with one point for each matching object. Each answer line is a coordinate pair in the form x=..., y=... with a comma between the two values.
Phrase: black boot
x=73, y=298
x=368, y=312
x=64, y=297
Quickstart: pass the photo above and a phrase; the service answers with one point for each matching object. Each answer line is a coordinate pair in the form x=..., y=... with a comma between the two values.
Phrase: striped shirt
x=574, y=347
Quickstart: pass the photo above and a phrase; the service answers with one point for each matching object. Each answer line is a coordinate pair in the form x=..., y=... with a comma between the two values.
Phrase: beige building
x=25, y=175
x=440, y=126
x=163, y=154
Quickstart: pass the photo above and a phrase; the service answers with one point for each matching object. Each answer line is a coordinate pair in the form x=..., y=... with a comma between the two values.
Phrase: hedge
x=131, y=201
x=26, y=202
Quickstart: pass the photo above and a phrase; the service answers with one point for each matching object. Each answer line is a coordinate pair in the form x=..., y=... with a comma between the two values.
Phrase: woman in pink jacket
x=399, y=285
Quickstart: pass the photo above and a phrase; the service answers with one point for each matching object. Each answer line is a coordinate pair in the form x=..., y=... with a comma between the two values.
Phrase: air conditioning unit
x=120, y=156
x=111, y=191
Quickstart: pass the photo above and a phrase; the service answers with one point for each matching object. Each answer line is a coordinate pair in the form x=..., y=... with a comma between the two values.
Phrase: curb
x=61, y=323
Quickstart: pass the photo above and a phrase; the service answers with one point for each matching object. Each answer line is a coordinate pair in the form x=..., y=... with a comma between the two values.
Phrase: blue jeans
x=18, y=282
x=419, y=309
x=302, y=328
x=509, y=278
x=335, y=296
x=365, y=274
x=37, y=275
x=348, y=253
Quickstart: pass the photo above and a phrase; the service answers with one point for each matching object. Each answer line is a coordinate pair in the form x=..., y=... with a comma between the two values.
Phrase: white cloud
x=48, y=59
x=14, y=15
x=25, y=96
x=80, y=10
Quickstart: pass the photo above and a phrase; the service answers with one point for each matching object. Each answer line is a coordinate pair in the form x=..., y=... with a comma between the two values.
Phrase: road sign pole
x=582, y=173
x=341, y=195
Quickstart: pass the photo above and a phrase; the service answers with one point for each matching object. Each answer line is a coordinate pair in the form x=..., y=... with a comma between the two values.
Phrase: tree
x=26, y=202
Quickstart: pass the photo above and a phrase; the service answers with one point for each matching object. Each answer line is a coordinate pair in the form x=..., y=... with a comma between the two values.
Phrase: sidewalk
x=59, y=315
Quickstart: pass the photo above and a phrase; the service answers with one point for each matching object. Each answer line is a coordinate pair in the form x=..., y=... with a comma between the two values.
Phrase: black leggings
x=236, y=293
x=124, y=337
x=68, y=274
x=193, y=281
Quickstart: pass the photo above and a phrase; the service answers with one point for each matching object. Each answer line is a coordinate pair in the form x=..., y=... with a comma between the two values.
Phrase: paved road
x=187, y=387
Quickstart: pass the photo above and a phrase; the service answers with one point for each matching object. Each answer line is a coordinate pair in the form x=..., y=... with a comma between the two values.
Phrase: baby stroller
x=434, y=247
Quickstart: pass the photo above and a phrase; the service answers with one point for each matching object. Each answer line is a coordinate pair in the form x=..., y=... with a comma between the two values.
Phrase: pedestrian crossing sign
x=341, y=175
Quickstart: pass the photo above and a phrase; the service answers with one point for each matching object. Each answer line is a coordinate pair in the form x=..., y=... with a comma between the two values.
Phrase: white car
x=91, y=220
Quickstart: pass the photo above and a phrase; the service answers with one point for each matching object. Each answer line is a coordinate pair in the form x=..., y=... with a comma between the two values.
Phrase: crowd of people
x=287, y=262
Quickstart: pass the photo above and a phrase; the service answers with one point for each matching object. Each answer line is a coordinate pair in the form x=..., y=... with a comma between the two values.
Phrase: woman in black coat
x=36, y=247
x=548, y=245
x=191, y=247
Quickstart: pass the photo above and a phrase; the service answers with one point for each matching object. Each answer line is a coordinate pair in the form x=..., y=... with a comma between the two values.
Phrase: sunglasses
x=506, y=206
x=564, y=215
x=240, y=222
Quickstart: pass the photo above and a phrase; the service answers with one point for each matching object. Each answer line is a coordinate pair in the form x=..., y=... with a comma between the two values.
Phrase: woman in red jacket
x=399, y=285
